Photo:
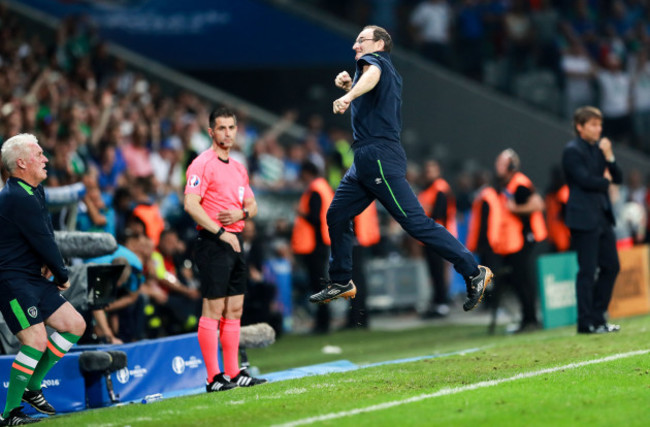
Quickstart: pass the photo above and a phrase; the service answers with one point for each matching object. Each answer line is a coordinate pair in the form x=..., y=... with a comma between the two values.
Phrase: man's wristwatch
x=246, y=214
x=220, y=232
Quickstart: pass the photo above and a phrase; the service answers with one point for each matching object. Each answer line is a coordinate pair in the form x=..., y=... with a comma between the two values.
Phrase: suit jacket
x=584, y=167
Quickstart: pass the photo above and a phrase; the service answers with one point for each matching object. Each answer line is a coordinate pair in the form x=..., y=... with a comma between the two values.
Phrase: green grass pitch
x=607, y=393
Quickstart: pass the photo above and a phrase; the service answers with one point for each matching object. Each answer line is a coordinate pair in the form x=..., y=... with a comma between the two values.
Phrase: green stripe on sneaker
x=381, y=171
x=19, y=313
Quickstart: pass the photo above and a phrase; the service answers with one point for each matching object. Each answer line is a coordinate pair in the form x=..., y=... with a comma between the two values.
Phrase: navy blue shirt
x=26, y=233
x=376, y=115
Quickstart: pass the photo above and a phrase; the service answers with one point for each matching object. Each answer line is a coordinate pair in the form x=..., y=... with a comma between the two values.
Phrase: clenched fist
x=343, y=80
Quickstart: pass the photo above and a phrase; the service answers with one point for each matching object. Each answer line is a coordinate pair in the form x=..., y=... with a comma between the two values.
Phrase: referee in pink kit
x=219, y=198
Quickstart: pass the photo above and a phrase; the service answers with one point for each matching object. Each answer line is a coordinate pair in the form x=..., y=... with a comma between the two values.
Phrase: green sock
x=57, y=346
x=21, y=371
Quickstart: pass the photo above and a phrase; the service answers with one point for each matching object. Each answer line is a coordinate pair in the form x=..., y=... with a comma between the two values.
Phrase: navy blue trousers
x=379, y=172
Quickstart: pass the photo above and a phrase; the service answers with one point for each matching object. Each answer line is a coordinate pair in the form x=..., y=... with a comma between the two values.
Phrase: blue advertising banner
x=63, y=386
x=154, y=366
x=202, y=34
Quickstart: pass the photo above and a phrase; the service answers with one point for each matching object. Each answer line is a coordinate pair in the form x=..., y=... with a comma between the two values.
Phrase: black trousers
x=436, y=265
x=316, y=264
x=358, y=313
x=521, y=277
x=598, y=267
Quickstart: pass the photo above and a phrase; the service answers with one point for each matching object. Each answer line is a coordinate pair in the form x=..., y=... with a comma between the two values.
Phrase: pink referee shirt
x=222, y=186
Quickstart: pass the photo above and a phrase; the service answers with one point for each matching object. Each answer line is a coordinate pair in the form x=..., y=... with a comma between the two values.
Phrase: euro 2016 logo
x=178, y=365
x=193, y=181
x=122, y=375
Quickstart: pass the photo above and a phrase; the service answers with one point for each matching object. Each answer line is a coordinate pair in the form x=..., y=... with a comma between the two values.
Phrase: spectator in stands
x=614, y=88
x=93, y=213
x=640, y=87
x=340, y=159
x=60, y=169
x=179, y=305
x=277, y=272
x=146, y=208
x=578, y=72
x=385, y=13
x=545, y=20
x=314, y=153
x=126, y=313
x=471, y=38
x=267, y=164
x=632, y=212
x=136, y=153
x=621, y=21
x=110, y=164
x=259, y=305
x=295, y=158
x=583, y=22
x=270, y=165
x=247, y=134
x=166, y=166
x=316, y=129
x=431, y=24
x=630, y=216
x=188, y=153
x=4, y=174
x=518, y=27
x=121, y=204
x=636, y=190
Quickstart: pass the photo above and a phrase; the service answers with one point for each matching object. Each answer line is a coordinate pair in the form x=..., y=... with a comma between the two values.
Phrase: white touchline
x=455, y=390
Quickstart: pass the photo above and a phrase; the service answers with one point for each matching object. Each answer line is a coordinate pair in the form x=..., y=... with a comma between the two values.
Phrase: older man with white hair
x=29, y=256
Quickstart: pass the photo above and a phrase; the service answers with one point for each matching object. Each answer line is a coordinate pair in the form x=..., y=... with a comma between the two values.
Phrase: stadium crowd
x=592, y=52
x=116, y=131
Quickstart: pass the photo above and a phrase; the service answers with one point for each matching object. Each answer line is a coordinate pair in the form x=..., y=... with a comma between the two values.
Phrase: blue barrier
x=154, y=366
x=63, y=386
x=169, y=367
x=165, y=365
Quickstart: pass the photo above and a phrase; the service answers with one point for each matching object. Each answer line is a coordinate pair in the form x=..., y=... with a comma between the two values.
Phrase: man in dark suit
x=589, y=166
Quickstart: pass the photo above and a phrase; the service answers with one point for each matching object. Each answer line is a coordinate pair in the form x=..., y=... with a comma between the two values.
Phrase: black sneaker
x=36, y=399
x=333, y=291
x=476, y=287
x=220, y=382
x=243, y=379
x=17, y=418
